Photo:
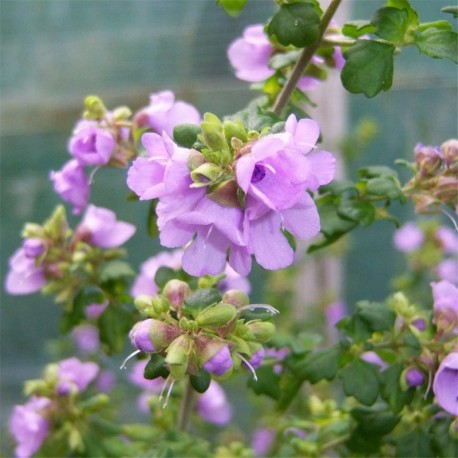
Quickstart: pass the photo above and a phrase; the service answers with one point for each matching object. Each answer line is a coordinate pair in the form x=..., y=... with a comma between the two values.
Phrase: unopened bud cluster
x=436, y=180
x=201, y=329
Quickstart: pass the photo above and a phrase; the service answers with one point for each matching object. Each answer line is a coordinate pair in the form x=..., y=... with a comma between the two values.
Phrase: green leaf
x=391, y=391
x=443, y=442
x=331, y=223
x=200, y=382
x=377, y=315
x=386, y=187
x=201, y=299
x=391, y=23
x=186, y=134
x=361, y=212
x=414, y=444
x=319, y=365
x=355, y=29
x=368, y=68
x=232, y=7
x=360, y=379
x=164, y=275
x=404, y=5
x=114, y=325
x=254, y=117
x=156, y=367
x=355, y=327
x=437, y=43
x=268, y=382
x=451, y=9
x=374, y=421
x=151, y=222
x=374, y=171
x=296, y=24
x=115, y=270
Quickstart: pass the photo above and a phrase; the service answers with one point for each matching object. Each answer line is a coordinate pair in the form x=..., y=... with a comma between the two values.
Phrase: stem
x=304, y=60
x=334, y=443
x=186, y=406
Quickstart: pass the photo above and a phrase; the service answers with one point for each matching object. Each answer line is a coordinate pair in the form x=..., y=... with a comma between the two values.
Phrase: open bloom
x=445, y=385
x=213, y=406
x=91, y=144
x=445, y=309
x=250, y=55
x=29, y=425
x=408, y=238
x=164, y=113
x=24, y=276
x=101, y=228
x=72, y=185
x=75, y=375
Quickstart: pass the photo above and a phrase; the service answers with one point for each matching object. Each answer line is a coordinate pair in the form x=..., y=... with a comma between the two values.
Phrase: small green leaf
x=232, y=7
x=155, y=367
x=268, y=382
x=114, y=325
x=319, y=365
x=361, y=212
x=115, y=270
x=200, y=382
x=201, y=299
x=360, y=379
x=391, y=23
x=404, y=5
x=451, y=9
x=391, y=391
x=374, y=422
x=414, y=444
x=368, y=68
x=377, y=315
x=355, y=29
x=296, y=24
x=437, y=42
x=164, y=275
x=186, y=134
x=386, y=187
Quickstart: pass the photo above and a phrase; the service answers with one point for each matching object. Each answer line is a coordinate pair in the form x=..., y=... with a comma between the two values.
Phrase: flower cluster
x=235, y=194
x=435, y=181
x=52, y=397
x=108, y=138
x=189, y=331
x=55, y=259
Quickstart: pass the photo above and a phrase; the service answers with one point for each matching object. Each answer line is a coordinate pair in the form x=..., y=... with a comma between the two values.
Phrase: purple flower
x=91, y=144
x=100, y=227
x=75, y=375
x=86, y=338
x=140, y=338
x=448, y=270
x=105, y=381
x=33, y=247
x=408, y=238
x=334, y=313
x=262, y=440
x=137, y=378
x=29, y=425
x=445, y=308
x=415, y=377
x=256, y=359
x=72, y=185
x=220, y=363
x=164, y=113
x=373, y=358
x=448, y=238
x=24, y=276
x=213, y=406
x=144, y=282
x=93, y=311
x=445, y=385
x=250, y=55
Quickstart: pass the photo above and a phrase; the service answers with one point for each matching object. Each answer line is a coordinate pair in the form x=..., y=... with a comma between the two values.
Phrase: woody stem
x=304, y=60
x=186, y=406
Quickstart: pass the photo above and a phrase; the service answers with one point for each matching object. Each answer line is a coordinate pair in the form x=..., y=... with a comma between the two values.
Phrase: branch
x=304, y=60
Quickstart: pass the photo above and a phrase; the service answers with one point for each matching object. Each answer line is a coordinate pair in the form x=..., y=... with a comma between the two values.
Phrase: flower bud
x=176, y=291
x=142, y=303
x=428, y=159
x=195, y=159
x=178, y=356
x=234, y=129
x=220, y=363
x=217, y=315
x=262, y=330
x=414, y=377
x=33, y=247
x=450, y=152
x=236, y=298
x=186, y=134
x=205, y=174
x=140, y=338
x=95, y=109
x=446, y=382
x=122, y=113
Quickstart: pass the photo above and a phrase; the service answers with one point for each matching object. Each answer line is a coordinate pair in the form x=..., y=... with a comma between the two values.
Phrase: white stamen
x=249, y=366
x=123, y=365
x=168, y=394
x=266, y=307
x=430, y=381
x=161, y=395
x=451, y=218
x=92, y=174
x=269, y=167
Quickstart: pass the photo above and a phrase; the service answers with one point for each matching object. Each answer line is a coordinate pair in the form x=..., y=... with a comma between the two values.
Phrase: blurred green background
x=54, y=53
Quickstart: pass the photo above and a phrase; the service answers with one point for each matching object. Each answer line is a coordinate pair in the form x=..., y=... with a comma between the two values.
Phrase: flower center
x=87, y=144
x=259, y=173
